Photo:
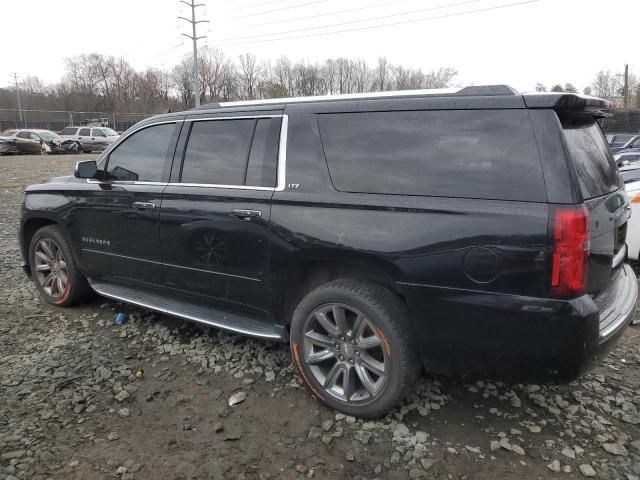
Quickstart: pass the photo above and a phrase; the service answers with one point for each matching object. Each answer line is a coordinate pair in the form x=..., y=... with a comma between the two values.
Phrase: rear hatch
x=602, y=190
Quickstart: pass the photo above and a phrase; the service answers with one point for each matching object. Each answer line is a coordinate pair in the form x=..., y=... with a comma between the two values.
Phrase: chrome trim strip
x=348, y=96
x=619, y=257
x=210, y=185
x=282, y=157
x=91, y=250
x=176, y=313
x=213, y=272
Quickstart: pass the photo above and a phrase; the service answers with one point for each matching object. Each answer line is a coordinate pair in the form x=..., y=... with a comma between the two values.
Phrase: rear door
x=601, y=188
x=214, y=221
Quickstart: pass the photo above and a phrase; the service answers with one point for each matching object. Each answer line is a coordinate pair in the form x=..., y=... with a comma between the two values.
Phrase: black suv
x=476, y=231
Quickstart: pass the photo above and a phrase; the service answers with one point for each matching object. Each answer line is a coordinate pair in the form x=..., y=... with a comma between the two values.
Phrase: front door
x=214, y=221
x=117, y=215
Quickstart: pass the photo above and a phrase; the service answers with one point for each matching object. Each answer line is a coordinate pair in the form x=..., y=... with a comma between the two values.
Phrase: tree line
x=96, y=82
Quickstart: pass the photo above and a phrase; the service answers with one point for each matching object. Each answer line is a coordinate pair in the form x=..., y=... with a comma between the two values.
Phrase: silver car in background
x=91, y=138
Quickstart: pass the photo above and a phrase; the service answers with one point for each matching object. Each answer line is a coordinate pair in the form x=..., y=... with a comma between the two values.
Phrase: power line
x=259, y=4
x=351, y=22
x=194, y=38
x=290, y=7
x=327, y=14
x=371, y=27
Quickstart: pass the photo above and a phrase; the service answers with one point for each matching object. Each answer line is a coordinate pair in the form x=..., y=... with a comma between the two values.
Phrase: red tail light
x=571, y=251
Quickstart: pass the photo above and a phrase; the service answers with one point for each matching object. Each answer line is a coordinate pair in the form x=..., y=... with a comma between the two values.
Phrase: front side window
x=232, y=152
x=141, y=157
x=98, y=133
x=23, y=135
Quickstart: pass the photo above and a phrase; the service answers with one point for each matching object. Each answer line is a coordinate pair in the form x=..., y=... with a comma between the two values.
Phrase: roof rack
x=480, y=90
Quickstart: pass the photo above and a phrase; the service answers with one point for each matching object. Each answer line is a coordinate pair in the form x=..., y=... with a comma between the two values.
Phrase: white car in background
x=90, y=138
x=631, y=177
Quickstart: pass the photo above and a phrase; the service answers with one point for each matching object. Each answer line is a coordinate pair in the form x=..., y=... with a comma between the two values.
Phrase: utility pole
x=196, y=82
x=15, y=79
x=625, y=88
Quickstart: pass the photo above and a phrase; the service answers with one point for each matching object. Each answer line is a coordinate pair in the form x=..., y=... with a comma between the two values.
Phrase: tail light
x=570, y=259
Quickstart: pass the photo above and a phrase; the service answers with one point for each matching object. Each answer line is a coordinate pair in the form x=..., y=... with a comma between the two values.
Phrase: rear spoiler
x=570, y=104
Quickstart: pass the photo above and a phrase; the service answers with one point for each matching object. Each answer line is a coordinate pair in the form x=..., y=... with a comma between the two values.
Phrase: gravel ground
x=71, y=405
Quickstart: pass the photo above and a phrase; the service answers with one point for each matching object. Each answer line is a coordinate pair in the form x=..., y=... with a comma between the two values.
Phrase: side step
x=197, y=313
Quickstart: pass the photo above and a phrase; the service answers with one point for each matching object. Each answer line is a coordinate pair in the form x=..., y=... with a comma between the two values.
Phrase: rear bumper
x=473, y=333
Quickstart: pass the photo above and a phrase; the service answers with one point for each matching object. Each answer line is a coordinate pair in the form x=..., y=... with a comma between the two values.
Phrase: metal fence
x=622, y=122
x=56, y=120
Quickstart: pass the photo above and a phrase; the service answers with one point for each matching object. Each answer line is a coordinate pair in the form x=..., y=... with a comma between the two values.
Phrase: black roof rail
x=485, y=90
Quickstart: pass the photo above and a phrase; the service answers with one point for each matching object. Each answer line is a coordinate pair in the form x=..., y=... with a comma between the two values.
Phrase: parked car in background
x=91, y=138
x=634, y=142
x=617, y=140
x=36, y=141
x=631, y=177
x=475, y=231
x=627, y=157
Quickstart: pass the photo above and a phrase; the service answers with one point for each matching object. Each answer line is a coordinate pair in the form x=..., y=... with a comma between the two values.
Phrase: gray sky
x=548, y=41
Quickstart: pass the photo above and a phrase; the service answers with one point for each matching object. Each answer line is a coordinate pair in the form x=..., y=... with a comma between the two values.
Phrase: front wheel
x=53, y=268
x=351, y=343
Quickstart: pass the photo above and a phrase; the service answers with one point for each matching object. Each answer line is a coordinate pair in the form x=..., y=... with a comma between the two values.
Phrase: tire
x=50, y=242
x=79, y=149
x=338, y=364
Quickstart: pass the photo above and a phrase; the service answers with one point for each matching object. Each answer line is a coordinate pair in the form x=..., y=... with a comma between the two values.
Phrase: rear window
x=629, y=176
x=488, y=154
x=69, y=131
x=594, y=165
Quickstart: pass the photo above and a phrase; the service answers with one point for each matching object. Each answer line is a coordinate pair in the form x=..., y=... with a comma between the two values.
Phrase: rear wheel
x=53, y=268
x=351, y=343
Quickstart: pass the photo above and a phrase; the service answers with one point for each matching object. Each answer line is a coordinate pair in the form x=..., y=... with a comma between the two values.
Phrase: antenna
x=194, y=38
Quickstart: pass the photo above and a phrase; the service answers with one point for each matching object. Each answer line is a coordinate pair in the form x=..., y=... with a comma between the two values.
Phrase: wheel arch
x=306, y=274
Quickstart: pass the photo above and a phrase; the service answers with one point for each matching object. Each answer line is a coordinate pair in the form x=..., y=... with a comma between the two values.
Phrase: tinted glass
x=629, y=176
x=141, y=157
x=594, y=165
x=23, y=135
x=488, y=154
x=98, y=133
x=69, y=131
x=84, y=132
x=263, y=159
x=217, y=152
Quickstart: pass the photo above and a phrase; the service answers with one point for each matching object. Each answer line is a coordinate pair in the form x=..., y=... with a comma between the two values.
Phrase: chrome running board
x=197, y=313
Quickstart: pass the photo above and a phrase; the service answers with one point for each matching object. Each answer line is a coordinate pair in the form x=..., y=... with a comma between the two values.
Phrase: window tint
x=263, y=159
x=488, y=154
x=141, y=157
x=23, y=135
x=69, y=131
x=98, y=133
x=84, y=132
x=595, y=167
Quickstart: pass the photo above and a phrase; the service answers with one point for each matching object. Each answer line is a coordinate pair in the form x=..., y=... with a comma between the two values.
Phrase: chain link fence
x=56, y=120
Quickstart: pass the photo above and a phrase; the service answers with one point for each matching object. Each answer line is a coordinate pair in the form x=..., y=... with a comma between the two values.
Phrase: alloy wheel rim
x=345, y=353
x=51, y=268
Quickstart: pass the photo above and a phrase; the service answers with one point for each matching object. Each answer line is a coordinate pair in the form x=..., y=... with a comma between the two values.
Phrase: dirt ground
x=71, y=406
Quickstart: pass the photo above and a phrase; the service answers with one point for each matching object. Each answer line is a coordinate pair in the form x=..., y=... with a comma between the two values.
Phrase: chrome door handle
x=246, y=214
x=144, y=205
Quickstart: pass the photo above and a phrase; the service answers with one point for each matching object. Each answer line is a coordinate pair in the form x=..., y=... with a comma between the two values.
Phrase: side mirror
x=86, y=169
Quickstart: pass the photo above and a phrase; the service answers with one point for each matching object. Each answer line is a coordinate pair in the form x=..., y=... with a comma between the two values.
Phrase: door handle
x=144, y=205
x=246, y=214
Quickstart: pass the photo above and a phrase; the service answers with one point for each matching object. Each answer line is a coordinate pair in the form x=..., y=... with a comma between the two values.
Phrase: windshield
x=109, y=132
x=46, y=135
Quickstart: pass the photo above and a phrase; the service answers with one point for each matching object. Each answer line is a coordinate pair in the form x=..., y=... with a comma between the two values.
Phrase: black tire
x=387, y=320
x=79, y=147
x=76, y=288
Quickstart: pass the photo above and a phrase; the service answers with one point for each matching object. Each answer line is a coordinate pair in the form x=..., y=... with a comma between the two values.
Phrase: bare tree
x=606, y=84
x=250, y=75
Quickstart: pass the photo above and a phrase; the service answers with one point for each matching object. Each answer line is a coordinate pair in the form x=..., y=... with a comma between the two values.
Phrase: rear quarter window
x=593, y=163
x=486, y=154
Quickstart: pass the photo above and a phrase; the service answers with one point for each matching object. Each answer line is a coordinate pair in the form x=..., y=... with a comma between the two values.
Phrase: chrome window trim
x=281, y=167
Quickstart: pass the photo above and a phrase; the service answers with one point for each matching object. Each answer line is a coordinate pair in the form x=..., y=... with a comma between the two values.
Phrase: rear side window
x=141, y=157
x=594, y=165
x=69, y=131
x=84, y=132
x=488, y=154
x=232, y=152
